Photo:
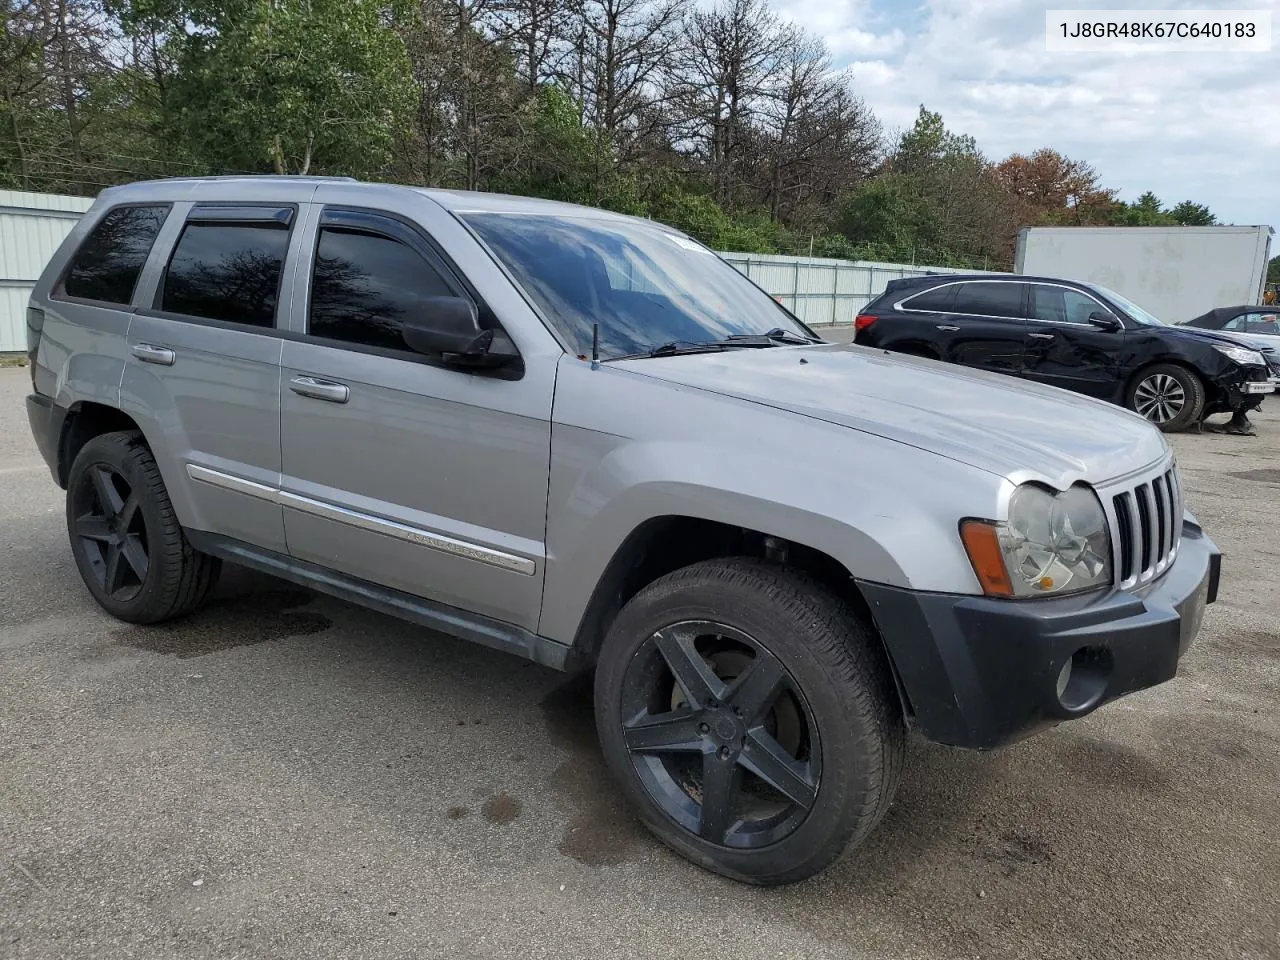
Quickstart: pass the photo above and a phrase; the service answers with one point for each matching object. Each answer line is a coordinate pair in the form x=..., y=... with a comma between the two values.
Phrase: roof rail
x=266, y=176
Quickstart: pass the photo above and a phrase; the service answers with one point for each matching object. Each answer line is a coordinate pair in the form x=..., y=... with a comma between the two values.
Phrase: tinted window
x=225, y=271
x=1062, y=305
x=364, y=285
x=989, y=299
x=107, y=265
x=937, y=300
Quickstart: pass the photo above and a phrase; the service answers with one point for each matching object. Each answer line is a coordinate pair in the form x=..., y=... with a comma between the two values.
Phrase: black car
x=1068, y=334
x=1252, y=320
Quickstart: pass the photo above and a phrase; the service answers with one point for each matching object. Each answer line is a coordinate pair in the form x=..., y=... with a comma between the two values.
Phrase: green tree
x=1146, y=211
x=1193, y=214
x=290, y=86
x=1273, y=270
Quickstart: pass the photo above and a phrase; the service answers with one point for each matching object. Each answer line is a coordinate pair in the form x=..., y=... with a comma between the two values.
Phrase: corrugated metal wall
x=32, y=225
x=821, y=291
x=818, y=290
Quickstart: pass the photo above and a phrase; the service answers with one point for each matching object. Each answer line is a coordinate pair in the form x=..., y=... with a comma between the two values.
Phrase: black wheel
x=750, y=718
x=128, y=545
x=1170, y=396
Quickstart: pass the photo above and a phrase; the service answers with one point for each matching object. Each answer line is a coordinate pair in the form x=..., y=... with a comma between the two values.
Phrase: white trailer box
x=1176, y=273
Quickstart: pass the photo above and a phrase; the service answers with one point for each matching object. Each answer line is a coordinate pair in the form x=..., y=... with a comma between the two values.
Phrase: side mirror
x=448, y=327
x=1104, y=321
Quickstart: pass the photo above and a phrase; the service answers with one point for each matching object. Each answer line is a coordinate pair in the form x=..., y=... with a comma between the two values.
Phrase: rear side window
x=989, y=299
x=227, y=271
x=107, y=265
x=364, y=285
x=937, y=300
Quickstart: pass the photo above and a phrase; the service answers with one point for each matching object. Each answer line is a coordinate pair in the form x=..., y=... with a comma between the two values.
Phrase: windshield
x=642, y=284
x=1128, y=306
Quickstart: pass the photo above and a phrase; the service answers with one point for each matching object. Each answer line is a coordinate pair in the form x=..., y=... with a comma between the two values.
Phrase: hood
x=1001, y=424
x=1213, y=336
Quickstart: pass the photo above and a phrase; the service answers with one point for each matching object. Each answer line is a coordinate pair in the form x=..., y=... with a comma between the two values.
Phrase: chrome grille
x=1146, y=527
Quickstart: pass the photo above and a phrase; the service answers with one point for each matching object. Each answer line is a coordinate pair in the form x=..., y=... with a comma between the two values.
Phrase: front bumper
x=1244, y=388
x=980, y=672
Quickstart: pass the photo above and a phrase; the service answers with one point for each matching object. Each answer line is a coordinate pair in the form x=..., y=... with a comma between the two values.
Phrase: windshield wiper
x=769, y=338
x=675, y=348
x=776, y=337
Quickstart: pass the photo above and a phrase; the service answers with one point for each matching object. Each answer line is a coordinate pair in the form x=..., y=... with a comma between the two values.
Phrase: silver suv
x=585, y=439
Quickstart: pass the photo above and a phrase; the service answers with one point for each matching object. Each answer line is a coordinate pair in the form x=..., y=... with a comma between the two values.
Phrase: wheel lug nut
x=724, y=753
x=703, y=728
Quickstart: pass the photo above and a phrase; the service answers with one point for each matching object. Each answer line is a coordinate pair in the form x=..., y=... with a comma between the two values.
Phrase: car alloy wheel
x=719, y=734
x=110, y=531
x=1159, y=398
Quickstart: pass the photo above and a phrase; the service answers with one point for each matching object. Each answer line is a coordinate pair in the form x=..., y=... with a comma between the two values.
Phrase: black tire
x=1169, y=396
x=117, y=506
x=837, y=679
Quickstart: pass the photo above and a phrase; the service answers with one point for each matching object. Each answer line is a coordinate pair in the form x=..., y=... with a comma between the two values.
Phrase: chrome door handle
x=318, y=389
x=1041, y=336
x=148, y=353
x=948, y=328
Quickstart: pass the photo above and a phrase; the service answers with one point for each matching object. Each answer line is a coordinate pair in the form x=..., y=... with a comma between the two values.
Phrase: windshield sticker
x=680, y=241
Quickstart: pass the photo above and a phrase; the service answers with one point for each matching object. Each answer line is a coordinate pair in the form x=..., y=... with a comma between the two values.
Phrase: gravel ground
x=285, y=775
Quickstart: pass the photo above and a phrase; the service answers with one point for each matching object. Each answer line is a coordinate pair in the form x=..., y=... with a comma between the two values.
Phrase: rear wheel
x=128, y=545
x=750, y=718
x=1170, y=396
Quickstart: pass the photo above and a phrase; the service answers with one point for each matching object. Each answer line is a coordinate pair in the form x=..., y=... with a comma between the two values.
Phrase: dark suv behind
x=1078, y=336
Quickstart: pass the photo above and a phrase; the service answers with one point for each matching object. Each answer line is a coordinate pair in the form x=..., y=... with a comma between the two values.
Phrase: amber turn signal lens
x=982, y=543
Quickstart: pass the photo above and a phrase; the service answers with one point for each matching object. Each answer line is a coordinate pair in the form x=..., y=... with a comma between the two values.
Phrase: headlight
x=1241, y=355
x=1052, y=544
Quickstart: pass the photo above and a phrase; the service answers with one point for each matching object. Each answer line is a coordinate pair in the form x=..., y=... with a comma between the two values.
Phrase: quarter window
x=227, y=271
x=109, y=262
x=989, y=299
x=1062, y=305
x=937, y=300
x=364, y=285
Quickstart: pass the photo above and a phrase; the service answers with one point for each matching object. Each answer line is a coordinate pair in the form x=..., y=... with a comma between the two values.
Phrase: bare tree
x=618, y=52
x=721, y=75
x=816, y=139
x=536, y=31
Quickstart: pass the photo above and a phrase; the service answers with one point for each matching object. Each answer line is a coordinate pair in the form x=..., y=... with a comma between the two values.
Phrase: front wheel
x=750, y=718
x=1170, y=396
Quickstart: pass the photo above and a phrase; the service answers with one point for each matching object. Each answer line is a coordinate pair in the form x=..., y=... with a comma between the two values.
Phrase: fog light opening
x=1083, y=679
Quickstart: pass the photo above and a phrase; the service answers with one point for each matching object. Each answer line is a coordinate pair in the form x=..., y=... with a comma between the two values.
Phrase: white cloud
x=1204, y=127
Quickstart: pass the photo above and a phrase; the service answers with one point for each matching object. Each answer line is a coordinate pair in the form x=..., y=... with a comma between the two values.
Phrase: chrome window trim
x=365, y=521
x=898, y=306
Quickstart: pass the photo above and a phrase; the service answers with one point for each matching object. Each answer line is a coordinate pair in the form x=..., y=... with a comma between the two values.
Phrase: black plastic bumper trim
x=980, y=672
x=46, y=419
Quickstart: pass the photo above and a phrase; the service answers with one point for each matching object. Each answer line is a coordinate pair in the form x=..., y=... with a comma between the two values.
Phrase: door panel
x=396, y=469
x=204, y=359
x=987, y=343
x=1064, y=350
x=219, y=402
x=428, y=480
x=991, y=329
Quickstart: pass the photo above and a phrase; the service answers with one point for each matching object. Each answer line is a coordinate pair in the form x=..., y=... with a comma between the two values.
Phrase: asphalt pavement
x=285, y=775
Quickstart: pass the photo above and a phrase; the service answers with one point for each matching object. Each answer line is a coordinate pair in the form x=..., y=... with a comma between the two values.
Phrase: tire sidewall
x=116, y=453
x=846, y=784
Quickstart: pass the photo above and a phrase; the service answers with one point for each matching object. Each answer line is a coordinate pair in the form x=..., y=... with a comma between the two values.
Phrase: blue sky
x=1189, y=126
